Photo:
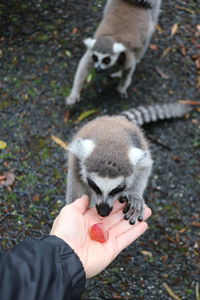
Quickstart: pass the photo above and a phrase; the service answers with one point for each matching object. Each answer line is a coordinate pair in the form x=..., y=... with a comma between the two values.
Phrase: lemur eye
x=106, y=60
x=117, y=190
x=93, y=186
x=94, y=58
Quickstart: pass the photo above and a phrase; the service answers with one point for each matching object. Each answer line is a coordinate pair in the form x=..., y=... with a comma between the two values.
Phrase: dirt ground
x=40, y=46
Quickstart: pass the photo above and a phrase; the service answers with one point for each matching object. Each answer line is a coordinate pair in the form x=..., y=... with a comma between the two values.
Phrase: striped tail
x=152, y=113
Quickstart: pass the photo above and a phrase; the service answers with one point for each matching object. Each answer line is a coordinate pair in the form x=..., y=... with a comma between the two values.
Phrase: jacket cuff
x=71, y=262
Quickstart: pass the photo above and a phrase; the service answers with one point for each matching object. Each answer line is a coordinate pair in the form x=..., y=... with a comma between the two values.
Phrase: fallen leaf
x=195, y=224
x=7, y=179
x=174, y=29
x=75, y=30
x=66, y=117
x=192, y=12
x=183, y=50
x=86, y=114
x=177, y=237
x=161, y=73
x=116, y=296
x=2, y=145
x=146, y=253
x=176, y=158
x=194, y=121
x=197, y=291
x=153, y=47
x=60, y=142
x=159, y=28
x=183, y=230
x=166, y=51
x=91, y=76
x=189, y=102
x=196, y=56
x=68, y=53
x=170, y=292
x=6, y=164
x=170, y=239
x=36, y=198
x=198, y=83
x=197, y=63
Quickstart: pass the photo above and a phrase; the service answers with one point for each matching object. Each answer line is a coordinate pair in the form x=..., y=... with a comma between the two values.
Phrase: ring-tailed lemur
x=121, y=39
x=109, y=159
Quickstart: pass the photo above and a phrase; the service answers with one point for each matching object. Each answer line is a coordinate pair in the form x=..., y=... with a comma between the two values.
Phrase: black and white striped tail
x=152, y=113
x=142, y=3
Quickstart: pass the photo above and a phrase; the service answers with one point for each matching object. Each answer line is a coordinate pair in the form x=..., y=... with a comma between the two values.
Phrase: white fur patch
x=135, y=155
x=106, y=184
x=89, y=42
x=82, y=148
x=118, y=48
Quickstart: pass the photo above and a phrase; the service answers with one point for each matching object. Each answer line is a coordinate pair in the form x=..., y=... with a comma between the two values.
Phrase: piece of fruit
x=99, y=233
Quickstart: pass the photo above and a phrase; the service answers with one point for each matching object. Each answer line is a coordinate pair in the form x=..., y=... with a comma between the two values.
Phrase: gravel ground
x=40, y=46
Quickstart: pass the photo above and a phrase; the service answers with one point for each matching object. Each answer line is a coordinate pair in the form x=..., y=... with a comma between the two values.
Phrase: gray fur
x=104, y=45
x=113, y=148
x=126, y=28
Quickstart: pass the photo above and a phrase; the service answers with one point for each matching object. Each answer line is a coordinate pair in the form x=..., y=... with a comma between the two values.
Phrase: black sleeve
x=43, y=269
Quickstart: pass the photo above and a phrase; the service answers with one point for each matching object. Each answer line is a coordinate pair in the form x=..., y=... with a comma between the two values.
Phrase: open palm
x=73, y=226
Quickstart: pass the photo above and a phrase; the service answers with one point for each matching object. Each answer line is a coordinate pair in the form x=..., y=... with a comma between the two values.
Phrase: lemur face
x=103, y=61
x=105, y=192
x=104, y=52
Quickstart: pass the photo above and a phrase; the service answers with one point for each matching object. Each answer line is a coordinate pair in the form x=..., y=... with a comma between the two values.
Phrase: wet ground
x=40, y=46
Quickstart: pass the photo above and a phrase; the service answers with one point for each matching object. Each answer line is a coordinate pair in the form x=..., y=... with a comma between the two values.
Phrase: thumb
x=131, y=235
x=81, y=204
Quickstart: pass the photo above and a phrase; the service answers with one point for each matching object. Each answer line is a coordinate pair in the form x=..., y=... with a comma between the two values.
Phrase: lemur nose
x=98, y=69
x=103, y=209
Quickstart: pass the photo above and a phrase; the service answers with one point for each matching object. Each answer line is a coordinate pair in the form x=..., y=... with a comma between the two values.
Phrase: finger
x=114, y=218
x=81, y=204
x=120, y=226
x=117, y=206
x=130, y=236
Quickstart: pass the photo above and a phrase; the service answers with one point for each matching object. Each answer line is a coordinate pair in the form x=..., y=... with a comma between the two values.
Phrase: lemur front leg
x=75, y=188
x=127, y=73
x=134, y=209
x=80, y=77
x=117, y=74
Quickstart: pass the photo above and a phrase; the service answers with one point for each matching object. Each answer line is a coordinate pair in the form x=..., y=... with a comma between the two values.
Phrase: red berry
x=99, y=233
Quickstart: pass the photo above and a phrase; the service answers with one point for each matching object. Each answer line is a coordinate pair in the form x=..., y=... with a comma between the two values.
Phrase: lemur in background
x=109, y=159
x=121, y=38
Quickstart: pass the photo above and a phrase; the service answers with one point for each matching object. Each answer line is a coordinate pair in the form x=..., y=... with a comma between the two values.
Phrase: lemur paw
x=116, y=74
x=123, y=92
x=72, y=99
x=134, y=209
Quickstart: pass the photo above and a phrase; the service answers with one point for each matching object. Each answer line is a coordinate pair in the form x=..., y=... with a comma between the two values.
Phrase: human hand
x=73, y=226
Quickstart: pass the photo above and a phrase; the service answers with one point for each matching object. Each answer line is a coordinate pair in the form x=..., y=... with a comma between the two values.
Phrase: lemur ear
x=139, y=157
x=89, y=42
x=82, y=148
x=118, y=48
